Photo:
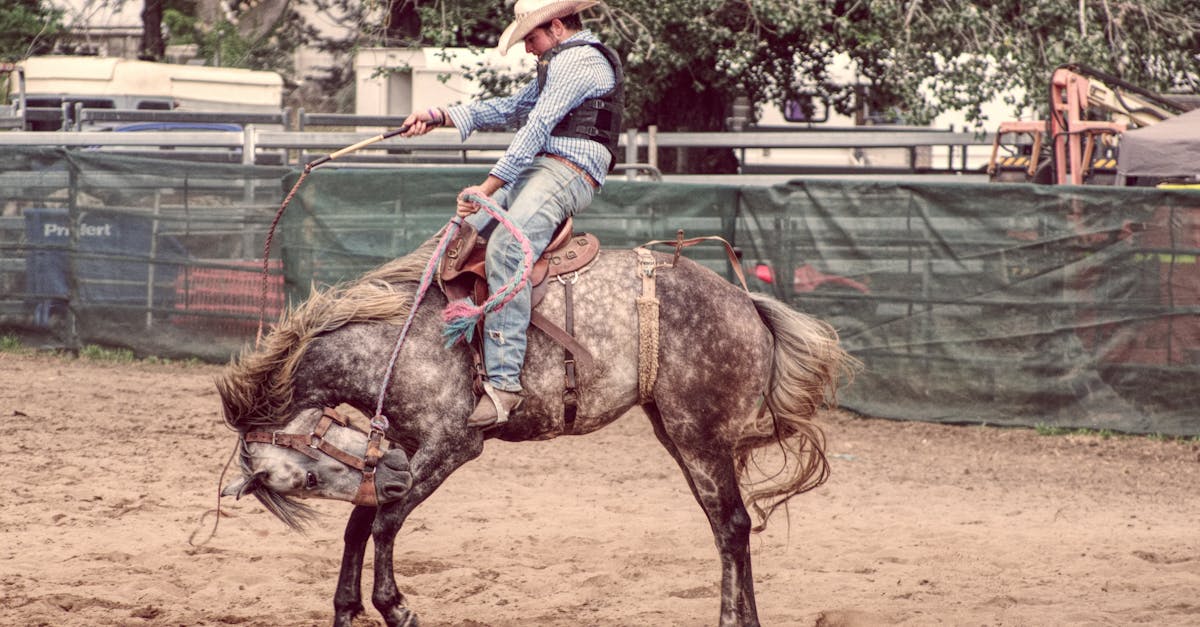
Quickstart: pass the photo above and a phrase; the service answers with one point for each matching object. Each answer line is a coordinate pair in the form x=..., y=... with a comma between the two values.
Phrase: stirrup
x=501, y=411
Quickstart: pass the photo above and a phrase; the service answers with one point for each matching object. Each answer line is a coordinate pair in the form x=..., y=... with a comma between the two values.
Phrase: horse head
x=285, y=452
x=317, y=454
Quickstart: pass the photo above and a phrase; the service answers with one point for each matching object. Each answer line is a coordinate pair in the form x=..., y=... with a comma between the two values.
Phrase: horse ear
x=245, y=486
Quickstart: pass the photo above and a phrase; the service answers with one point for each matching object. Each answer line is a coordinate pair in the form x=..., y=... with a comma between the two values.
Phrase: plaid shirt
x=575, y=74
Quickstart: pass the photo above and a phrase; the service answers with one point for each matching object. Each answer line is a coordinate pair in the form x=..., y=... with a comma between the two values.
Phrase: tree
x=687, y=61
x=28, y=28
x=258, y=35
x=937, y=55
x=153, y=47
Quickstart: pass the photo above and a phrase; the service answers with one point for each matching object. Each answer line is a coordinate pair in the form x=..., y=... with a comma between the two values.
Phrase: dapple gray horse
x=732, y=372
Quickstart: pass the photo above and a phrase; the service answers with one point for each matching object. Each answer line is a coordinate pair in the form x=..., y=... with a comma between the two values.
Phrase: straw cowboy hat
x=534, y=13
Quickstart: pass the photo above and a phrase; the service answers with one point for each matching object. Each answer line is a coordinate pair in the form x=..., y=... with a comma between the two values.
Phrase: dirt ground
x=108, y=469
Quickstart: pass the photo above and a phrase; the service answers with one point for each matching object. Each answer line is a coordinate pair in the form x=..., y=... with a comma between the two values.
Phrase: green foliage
x=1045, y=429
x=688, y=60
x=464, y=24
x=1107, y=434
x=915, y=59
x=966, y=53
x=100, y=353
x=10, y=344
x=222, y=44
x=28, y=28
x=901, y=61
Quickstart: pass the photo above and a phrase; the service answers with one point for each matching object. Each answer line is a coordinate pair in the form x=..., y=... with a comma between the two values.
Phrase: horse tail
x=807, y=367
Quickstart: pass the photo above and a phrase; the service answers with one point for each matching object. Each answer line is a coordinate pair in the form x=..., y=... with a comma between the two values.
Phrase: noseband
x=314, y=443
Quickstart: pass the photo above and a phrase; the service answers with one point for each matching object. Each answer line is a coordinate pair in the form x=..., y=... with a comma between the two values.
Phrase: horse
x=733, y=372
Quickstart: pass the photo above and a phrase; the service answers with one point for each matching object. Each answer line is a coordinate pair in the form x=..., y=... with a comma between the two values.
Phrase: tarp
x=158, y=256
x=1170, y=148
x=1008, y=304
x=1005, y=304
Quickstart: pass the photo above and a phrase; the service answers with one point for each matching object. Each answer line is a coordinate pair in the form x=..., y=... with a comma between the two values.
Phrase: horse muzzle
x=389, y=480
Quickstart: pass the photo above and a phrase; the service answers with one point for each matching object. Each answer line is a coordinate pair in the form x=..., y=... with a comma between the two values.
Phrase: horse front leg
x=347, y=599
x=431, y=465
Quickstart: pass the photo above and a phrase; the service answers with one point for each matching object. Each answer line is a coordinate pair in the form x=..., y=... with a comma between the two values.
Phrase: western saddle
x=463, y=274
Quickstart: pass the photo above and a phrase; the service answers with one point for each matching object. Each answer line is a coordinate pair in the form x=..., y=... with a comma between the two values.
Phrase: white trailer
x=116, y=83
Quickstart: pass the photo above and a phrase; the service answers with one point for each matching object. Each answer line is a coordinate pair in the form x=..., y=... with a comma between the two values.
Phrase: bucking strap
x=570, y=385
x=679, y=243
x=647, y=306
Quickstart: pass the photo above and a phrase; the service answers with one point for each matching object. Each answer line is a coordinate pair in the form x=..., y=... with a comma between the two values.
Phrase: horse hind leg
x=713, y=480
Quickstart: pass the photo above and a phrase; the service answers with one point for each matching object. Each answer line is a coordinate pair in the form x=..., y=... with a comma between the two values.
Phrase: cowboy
x=570, y=120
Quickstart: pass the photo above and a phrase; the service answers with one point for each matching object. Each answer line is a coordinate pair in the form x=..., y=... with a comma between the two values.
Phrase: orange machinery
x=1080, y=145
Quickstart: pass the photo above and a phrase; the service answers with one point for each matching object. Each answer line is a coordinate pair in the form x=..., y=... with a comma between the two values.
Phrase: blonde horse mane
x=257, y=386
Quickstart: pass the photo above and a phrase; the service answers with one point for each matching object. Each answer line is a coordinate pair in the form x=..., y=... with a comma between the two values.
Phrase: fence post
x=74, y=225
x=631, y=152
x=652, y=145
x=249, y=144
x=152, y=264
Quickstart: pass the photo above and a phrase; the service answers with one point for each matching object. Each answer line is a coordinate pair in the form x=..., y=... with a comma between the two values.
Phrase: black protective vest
x=597, y=119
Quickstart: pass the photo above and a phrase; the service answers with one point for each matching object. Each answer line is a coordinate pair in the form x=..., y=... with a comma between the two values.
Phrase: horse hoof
x=346, y=619
x=402, y=617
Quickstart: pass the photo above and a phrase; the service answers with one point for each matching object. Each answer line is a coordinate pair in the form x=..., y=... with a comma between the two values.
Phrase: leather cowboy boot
x=494, y=407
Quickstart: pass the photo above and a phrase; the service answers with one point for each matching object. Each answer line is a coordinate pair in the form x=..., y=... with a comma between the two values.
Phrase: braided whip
x=308, y=168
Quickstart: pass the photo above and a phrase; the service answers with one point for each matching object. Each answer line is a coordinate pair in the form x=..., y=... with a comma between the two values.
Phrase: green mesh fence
x=159, y=256
x=1004, y=304
x=997, y=303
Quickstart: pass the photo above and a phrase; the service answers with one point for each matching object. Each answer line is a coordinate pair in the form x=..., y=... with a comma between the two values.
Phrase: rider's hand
x=468, y=207
x=485, y=189
x=421, y=122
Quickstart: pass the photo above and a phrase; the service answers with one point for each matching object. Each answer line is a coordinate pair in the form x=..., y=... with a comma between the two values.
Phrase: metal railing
x=269, y=138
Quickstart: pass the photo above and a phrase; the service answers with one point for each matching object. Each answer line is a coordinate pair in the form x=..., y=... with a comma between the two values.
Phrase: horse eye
x=310, y=481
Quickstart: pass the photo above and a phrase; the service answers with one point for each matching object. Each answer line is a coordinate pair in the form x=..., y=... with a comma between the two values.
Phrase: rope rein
x=460, y=317
x=379, y=421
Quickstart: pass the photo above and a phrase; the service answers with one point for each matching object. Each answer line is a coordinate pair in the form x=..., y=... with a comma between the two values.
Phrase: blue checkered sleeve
x=575, y=75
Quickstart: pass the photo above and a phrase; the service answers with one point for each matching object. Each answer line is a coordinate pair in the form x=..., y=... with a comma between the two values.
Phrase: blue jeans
x=545, y=195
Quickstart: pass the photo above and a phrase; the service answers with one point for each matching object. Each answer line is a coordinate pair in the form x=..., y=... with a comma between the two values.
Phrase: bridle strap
x=366, y=490
x=314, y=443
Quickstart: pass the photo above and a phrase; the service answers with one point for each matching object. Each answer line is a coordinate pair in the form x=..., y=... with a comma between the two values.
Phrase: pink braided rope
x=379, y=421
x=460, y=312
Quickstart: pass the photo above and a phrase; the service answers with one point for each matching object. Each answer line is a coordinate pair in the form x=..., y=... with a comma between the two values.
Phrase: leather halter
x=314, y=443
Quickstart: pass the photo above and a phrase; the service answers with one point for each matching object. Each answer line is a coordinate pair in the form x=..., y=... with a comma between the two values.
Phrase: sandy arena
x=108, y=468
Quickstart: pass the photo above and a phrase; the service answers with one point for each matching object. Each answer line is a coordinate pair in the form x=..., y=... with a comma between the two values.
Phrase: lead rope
x=461, y=316
x=379, y=422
